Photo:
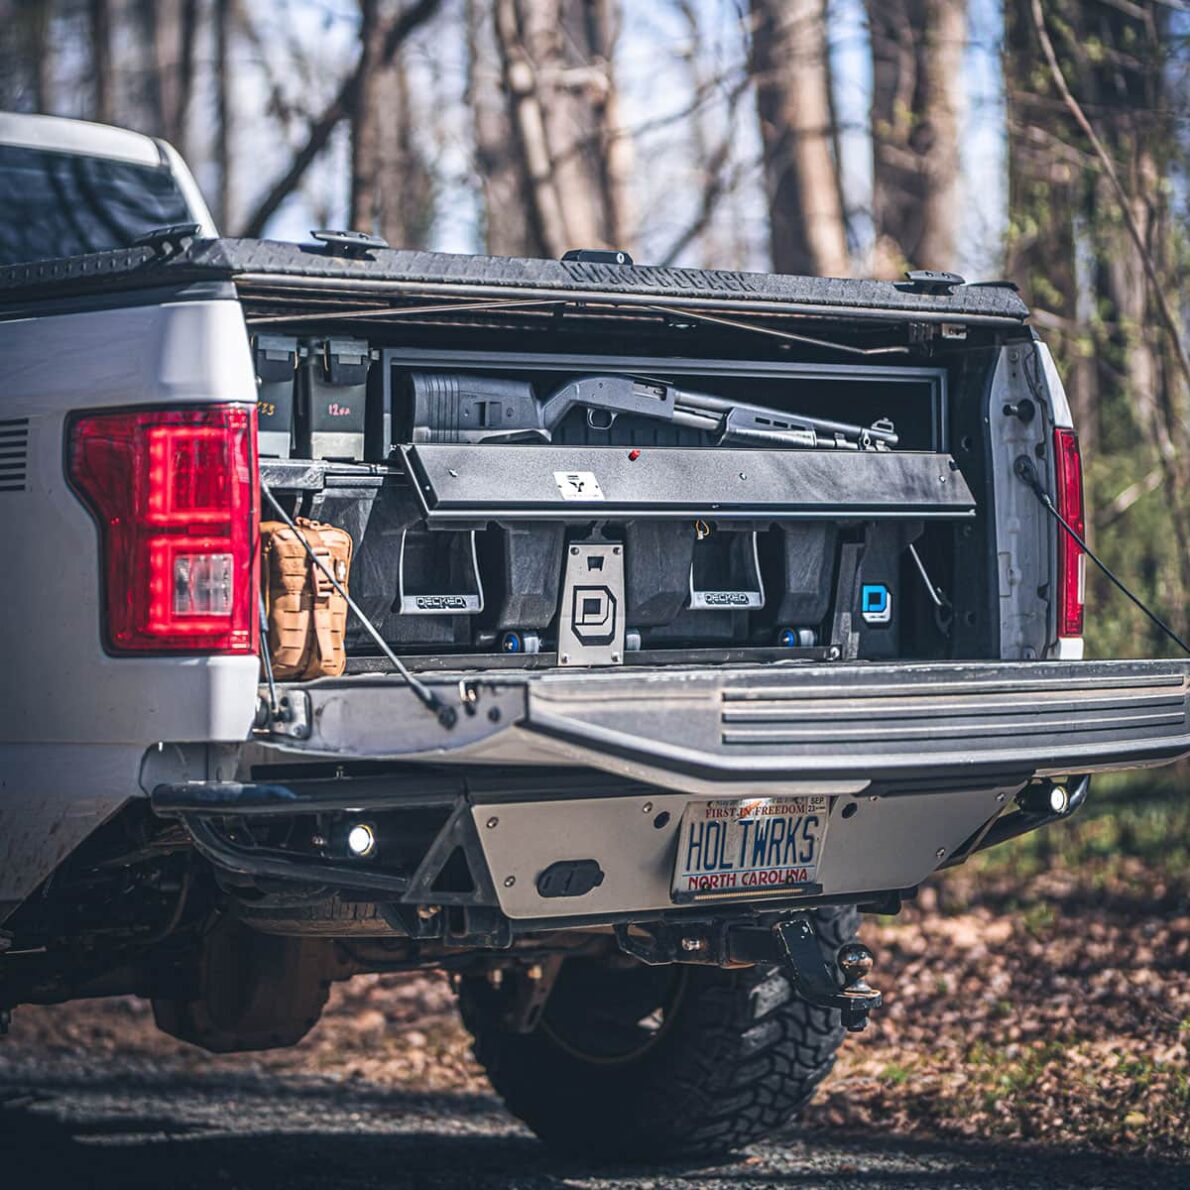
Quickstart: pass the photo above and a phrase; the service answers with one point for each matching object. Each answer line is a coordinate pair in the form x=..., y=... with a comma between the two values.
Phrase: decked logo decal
x=726, y=598
x=593, y=615
x=578, y=485
x=875, y=603
x=444, y=603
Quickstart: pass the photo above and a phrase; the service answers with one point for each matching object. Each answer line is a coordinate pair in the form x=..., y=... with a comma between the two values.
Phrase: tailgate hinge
x=291, y=719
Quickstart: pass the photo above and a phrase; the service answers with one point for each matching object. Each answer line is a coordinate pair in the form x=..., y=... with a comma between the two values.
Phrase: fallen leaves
x=1069, y=1026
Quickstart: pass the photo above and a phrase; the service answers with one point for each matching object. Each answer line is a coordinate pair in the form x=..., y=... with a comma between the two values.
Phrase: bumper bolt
x=492, y=822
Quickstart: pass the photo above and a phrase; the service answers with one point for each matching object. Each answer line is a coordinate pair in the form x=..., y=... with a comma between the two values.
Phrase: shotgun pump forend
x=461, y=407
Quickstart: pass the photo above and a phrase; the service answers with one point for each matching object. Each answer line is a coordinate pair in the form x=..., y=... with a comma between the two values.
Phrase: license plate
x=750, y=847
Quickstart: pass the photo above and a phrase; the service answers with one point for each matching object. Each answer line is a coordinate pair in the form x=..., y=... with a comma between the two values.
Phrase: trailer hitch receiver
x=798, y=946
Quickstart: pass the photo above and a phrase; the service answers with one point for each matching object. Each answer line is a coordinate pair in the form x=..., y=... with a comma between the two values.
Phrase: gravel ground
x=68, y=1123
x=384, y=1093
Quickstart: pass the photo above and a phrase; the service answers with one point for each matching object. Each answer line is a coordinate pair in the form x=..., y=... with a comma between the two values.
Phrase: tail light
x=1072, y=562
x=174, y=494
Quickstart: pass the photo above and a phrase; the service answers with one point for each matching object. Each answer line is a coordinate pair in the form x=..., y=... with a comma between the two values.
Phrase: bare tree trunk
x=43, y=57
x=917, y=81
x=391, y=95
x=405, y=183
x=100, y=16
x=166, y=45
x=598, y=23
x=32, y=52
x=506, y=226
x=551, y=232
x=1091, y=146
x=167, y=37
x=339, y=108
x=706, y=160
x=1127, y=87
x=224, y=16
x=365, y=139
x=715, y=163
x=1128, y=97
x=153, y=89
x=1045, y=193
x=792, y=71
x=186, y=52
x=574, y=155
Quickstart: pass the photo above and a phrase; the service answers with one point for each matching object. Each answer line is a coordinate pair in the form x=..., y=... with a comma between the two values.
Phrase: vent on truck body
x=14, y=454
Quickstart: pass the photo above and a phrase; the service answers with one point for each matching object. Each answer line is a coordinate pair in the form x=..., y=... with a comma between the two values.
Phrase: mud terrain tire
x=734, y=1056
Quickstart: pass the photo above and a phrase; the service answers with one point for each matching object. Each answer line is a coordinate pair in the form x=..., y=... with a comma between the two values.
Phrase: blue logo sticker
x=875, y=603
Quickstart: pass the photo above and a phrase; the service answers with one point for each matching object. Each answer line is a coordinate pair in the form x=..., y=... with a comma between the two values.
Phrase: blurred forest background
x=1043, y=140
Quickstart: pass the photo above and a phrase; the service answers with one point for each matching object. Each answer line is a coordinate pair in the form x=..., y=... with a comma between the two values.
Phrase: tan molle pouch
x=307, y=617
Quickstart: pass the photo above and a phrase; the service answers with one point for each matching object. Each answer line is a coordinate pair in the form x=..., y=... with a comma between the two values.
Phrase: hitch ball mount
x=798, y=944
x=791, y=942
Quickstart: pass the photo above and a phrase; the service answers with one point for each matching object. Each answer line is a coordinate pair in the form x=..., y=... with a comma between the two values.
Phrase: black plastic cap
x=598, y=256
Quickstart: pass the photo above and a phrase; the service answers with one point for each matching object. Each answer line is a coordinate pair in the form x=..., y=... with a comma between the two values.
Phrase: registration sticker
x=750, y=847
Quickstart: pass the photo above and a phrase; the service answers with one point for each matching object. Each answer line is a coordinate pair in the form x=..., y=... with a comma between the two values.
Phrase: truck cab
x=69, y=187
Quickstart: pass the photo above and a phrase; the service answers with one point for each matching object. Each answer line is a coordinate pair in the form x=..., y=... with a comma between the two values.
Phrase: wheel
x=250, y=991
x=633, y=1062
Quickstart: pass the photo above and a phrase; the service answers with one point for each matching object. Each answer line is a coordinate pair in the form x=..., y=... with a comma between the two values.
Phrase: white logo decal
x=578, y=485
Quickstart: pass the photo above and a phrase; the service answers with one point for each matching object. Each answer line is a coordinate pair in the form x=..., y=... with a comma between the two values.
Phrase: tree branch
x=1109, y=169
x=1116, y=508
x=339, y=108
x=277, y=104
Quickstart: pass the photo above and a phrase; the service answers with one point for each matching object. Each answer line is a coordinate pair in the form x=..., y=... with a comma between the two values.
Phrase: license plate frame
x=739, y=837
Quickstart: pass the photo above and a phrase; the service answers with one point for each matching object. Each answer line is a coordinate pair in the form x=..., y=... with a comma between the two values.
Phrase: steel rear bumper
x=923, y=765
x=827, y=727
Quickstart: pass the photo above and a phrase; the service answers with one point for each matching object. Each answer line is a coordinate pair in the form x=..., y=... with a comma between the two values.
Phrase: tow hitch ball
x=797, y=944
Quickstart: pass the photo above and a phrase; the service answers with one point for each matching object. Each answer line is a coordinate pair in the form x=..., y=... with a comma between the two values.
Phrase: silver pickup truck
x=695, y=614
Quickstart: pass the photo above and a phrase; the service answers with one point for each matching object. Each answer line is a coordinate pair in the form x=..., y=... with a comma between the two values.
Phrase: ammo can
x=333, y=388
x=275, y=357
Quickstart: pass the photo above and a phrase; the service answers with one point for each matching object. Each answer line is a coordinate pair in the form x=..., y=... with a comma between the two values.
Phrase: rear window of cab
x=65, y=204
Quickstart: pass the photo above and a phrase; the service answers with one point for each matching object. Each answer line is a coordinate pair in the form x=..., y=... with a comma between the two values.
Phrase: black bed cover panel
x=259, y=266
